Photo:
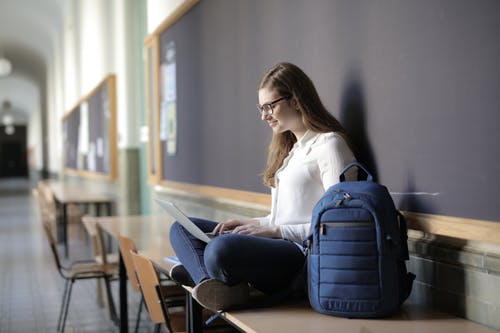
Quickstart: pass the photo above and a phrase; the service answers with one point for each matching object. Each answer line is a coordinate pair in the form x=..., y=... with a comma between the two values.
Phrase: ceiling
x=30, y=31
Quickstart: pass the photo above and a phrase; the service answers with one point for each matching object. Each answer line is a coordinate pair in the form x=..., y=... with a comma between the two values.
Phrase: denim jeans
x=268, y=264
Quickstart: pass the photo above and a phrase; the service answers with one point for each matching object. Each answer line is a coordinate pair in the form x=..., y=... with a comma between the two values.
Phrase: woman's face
x=285, y=115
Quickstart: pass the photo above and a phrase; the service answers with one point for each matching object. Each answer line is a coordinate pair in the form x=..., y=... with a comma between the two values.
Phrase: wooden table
x=69, y=193
x=150, y=235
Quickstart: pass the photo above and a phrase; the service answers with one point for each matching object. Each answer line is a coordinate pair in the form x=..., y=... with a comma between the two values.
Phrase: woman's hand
x=230, y=225
x=247, y=227
x=258, y=230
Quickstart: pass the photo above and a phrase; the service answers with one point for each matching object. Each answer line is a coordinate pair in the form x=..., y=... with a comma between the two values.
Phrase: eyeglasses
x=267, y=108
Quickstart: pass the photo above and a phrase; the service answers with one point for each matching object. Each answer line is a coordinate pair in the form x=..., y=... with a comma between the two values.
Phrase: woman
x=306, y=155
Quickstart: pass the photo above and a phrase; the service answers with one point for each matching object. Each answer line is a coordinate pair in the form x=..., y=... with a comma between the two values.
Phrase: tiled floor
x=30, y=287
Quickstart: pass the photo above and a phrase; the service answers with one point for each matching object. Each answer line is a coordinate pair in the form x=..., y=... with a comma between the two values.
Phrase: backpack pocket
x=349, y=264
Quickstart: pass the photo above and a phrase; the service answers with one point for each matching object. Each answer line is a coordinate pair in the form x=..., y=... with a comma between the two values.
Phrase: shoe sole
x=216, y=295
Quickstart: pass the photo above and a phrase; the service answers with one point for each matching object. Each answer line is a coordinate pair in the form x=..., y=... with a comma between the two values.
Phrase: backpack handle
x=369, y=176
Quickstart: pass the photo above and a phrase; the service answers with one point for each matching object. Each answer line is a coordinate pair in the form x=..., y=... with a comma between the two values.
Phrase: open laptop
x=190, y=226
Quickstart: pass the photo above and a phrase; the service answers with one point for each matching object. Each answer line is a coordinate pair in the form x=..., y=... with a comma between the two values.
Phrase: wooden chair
x=74, y=212
x=46, y=207
x=78, y=270
x=175, y=293
x=126, y=245
x=154, y=297
x=100, y=254
x=102, y=257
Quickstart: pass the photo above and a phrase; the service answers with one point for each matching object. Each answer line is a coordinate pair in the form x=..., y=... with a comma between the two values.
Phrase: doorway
x=13, y=152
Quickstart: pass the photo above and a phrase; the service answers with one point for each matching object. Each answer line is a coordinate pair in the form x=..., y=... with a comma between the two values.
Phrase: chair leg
x=158, y=328
x=139, y=314
x=100, y=300
x=63, y=305
x=111, y=303
x=67, y=305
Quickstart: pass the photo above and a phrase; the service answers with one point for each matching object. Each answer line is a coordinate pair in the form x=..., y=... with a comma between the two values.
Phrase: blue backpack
x=357, y=251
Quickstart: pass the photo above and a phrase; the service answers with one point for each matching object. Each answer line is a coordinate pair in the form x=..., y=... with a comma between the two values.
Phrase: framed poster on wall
x=89, y=134
x=161, y=97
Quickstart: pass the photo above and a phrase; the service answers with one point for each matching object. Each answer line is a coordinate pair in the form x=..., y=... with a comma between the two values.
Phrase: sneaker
x=179, y=274
x=215, y=295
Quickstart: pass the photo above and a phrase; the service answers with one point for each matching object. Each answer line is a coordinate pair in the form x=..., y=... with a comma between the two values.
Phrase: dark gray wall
x=416, y=83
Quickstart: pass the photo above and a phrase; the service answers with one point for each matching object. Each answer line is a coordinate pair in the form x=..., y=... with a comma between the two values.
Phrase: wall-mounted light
x=7, y=118
x=5, y=67
x=10, y=130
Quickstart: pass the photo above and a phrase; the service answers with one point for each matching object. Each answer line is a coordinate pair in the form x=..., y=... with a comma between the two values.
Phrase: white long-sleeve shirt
x=311, y=167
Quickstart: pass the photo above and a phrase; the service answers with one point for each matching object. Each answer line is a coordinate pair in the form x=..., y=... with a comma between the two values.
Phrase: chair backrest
x=100, y=245
x=37, y=196
x=126, y=246
x=48, y=209
x=53, y=246
x=150, y=288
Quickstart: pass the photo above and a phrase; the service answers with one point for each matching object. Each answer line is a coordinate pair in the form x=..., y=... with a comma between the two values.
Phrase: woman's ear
x=295, y=104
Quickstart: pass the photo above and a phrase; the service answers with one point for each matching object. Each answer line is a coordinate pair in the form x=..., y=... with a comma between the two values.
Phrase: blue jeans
x=268, y=264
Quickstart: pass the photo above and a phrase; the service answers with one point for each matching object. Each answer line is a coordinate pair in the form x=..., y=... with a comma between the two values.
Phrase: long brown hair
x=289, y=80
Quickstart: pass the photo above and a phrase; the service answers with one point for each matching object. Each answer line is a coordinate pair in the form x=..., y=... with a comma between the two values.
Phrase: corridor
x=31, y=288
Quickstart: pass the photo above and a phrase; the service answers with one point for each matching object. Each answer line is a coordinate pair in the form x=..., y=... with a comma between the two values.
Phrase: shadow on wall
x=440, y=281
x=353, y=118
x=437, y=261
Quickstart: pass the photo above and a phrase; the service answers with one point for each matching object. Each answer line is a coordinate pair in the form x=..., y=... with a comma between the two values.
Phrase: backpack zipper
x=322, y=228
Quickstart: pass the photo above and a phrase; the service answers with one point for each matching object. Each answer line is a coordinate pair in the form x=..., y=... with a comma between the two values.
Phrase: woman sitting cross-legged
x=308, y=150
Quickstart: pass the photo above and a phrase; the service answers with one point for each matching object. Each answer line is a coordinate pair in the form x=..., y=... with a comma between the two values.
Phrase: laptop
x=178, y=215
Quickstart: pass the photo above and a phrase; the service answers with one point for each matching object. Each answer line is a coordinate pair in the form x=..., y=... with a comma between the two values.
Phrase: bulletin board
x=420, y=104
x=171, y=116
x=89, y=133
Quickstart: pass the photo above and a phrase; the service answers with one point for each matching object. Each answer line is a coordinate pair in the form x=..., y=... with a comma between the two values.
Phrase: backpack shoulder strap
x=403, y=231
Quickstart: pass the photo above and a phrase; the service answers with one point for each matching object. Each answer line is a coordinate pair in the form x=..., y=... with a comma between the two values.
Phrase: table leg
x=65, y=228
x=107, y=212
x=194, y=321
x=123, y=296
x=108, y=206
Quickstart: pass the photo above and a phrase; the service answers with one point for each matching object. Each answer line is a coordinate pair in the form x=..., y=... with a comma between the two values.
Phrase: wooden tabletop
x=65, y=192
x=150, y=234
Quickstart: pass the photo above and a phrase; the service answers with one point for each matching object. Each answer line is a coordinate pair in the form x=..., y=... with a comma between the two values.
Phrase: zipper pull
x=322, y=230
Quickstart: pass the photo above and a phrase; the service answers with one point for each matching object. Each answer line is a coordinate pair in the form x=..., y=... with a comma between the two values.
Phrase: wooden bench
x=150, y=234
x=298, y=316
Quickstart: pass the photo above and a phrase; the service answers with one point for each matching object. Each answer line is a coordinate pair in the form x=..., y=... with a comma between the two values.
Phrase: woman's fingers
x=225, y=226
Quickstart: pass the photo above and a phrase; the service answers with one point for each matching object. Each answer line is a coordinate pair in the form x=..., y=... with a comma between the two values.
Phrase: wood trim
x=448, y=226
x=88, y=174
x=174, y=16
x=151, y=43
x=456, y=227
x=219, y=193
x=156, y=92
x=88, y=95
x=113, y=131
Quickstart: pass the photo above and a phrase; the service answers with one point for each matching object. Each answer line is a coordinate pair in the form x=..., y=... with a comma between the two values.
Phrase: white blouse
x=312, y=166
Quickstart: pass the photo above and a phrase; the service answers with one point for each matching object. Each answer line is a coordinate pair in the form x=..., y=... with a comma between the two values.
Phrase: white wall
x=158, y=10
x=93, y=43
x=98, y=38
